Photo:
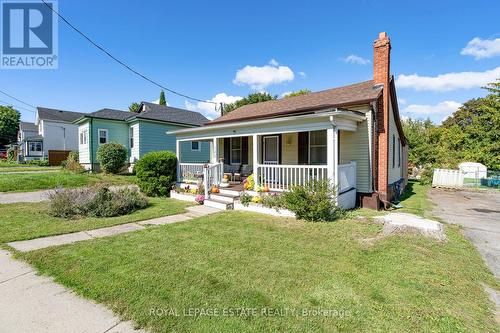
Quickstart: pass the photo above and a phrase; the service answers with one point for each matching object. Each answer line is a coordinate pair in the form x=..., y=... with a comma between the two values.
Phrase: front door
x=271, y=149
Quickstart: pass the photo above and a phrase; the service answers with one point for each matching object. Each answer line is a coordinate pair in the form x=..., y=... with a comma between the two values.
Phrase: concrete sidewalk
x=40, y=243
x=32, y=303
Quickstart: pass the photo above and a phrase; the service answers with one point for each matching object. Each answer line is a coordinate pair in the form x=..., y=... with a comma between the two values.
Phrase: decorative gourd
x=265, y=188
x=226, y=177
x=214, y=189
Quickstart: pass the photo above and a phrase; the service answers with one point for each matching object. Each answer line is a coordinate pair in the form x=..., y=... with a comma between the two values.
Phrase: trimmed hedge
x=112, y=157
x=156, y=172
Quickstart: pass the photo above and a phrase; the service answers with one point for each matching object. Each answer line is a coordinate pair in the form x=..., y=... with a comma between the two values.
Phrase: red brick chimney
x=381, y=76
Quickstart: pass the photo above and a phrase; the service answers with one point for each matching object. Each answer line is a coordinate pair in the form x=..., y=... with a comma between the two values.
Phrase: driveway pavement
x=32, y=303
x=479, y=214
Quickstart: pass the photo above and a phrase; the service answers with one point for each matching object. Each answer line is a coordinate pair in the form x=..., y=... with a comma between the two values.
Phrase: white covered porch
x=280, y=152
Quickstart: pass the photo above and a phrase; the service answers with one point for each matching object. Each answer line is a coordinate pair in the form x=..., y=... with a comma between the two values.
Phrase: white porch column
x=215, y=150
x=255, y=159
x=332, y=157
x=178, y=154
x=336, y=159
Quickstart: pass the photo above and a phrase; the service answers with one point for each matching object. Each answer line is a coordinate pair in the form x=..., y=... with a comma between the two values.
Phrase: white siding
x=356, y=146
x=134, y=152
x=395, y=149
x=83, y=150
x=59, y=136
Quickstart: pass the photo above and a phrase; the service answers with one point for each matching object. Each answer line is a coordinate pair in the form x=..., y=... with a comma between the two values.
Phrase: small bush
x=273, y=200
x=426, y=175
x=156, y=172
x=245, y=199
x=95, y=202
x=313, y=201
x=112, y=157
x=72, y=163
x=36, y=162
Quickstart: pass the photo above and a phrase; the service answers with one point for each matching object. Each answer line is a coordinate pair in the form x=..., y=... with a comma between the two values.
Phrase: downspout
x=373, y=157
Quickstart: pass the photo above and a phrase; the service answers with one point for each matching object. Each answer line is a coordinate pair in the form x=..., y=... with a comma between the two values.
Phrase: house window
x=393, y=151
x=103, y=136
x=195, y=146
x=317, y=147
x=236, y=150
x=35, y=146
x=83, y=137
x=131, y=134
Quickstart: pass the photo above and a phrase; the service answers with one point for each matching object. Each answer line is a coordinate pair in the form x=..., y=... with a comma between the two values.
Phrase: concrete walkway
x=40, y=243
x=36, y=196
x=32, y=303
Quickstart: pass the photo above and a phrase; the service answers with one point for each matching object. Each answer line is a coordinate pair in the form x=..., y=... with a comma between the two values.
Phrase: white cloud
x=208, y=109
x=259, y=78
x=354, y=59
x=157, y=101
x=444, y=108
x=482, y=48
x=303, y=74
x=286, y=93
x=402, y=101
x=448, y=81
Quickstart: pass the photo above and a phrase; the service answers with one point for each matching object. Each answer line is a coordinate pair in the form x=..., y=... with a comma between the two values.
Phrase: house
x=351, y=135
x=140, y=133
x=52, y=134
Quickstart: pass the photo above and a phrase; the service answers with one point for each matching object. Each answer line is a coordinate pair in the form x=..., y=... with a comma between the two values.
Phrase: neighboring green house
x=140, y=133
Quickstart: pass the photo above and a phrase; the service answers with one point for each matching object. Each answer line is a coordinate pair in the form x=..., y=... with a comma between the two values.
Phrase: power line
x=16, y=106
x=121, y=62
x=17, y=99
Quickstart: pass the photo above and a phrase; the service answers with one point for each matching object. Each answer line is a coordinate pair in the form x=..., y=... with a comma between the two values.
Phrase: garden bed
x=258, y=208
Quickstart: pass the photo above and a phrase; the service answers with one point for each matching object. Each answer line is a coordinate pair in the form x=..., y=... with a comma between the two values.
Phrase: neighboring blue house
x=140, y=133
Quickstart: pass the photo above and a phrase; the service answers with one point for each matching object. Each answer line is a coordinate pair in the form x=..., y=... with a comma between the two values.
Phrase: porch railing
x=284, y=177
x=212, y=175
x=190, y=171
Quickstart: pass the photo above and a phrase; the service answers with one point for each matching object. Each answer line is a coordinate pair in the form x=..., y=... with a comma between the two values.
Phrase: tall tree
x=297, y=93
x=9, y=124
x=250, y=99
x=162, y=101
x=134, y=107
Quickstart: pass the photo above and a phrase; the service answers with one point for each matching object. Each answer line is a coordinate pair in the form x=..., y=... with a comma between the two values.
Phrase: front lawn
x=188, y=277
x=22, y=221
x=25, y=182
x=27, y=168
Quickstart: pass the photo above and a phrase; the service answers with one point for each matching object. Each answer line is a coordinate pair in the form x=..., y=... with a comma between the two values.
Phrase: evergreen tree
x=162, y=101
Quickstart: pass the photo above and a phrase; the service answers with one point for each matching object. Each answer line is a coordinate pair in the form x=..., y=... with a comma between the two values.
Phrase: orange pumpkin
x=214, y=189
x=265, y=188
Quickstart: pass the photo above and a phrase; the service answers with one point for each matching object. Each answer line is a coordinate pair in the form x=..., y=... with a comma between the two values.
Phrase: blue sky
x=231, y=48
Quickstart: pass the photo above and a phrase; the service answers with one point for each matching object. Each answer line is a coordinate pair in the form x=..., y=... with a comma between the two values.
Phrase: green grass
x=22, y=221
x=28, y=168
x=25, y=182
x=242, y=260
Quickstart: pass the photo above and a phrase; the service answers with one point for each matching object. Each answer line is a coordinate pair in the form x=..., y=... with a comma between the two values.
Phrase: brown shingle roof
x=336, y=97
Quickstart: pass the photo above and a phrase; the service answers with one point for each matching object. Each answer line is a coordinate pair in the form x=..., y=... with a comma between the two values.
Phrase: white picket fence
x=447, y=178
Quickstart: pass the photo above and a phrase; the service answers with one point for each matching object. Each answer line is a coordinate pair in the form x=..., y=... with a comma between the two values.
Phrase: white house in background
x=53, y=130
x=350, y=135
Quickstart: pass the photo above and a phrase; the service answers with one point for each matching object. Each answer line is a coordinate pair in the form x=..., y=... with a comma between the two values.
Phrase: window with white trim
x=103, y=136
x=84, y=137
x=236, y=150
x=35, y=146
x=317, y=147
x=131, y=135
x=195, y=146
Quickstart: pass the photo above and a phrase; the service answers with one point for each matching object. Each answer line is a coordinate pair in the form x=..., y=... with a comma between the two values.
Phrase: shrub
x=95, y=202
x=313, y=201
x=273, y=200
x=156, y=172
x=245, y=199
x=36, y=162
x=112, y=157
x=426, y=175
x=72, y=163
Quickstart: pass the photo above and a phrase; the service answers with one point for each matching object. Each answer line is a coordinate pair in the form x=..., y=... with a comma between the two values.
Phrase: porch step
x=215, y=203
x=227, y=191
x=224, y=197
